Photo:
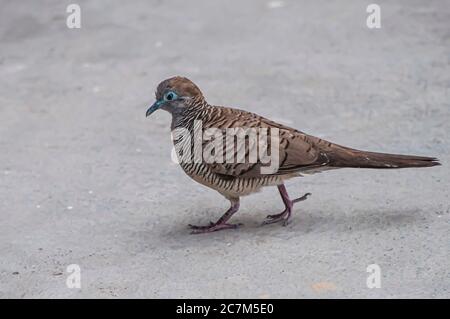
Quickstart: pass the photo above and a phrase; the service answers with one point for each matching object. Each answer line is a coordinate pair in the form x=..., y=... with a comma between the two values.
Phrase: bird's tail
x=346, y=157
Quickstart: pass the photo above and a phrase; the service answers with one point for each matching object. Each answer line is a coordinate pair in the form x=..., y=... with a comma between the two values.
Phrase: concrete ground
x=86, y=179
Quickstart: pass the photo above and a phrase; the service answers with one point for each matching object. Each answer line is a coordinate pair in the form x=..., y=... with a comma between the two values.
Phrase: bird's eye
x=170, y=96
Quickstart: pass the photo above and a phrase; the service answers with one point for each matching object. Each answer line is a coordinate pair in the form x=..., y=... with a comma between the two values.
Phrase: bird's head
x=174, y=94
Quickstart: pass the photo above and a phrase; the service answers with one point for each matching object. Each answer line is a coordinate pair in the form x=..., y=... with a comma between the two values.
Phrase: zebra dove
x=298, y=153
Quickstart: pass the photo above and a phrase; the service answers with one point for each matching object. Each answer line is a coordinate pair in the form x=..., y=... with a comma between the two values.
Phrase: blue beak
x=153, y=108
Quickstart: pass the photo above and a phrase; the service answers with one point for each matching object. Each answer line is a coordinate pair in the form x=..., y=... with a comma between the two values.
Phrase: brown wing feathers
x=301, y=152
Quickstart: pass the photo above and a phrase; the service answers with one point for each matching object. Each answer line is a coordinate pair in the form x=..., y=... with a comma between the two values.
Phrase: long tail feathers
x=360, y=159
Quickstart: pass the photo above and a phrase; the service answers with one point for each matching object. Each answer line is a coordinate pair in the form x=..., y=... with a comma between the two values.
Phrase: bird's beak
x=153, y=108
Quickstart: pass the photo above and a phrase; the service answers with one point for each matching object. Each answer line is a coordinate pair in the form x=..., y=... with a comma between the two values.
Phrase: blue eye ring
x=170, y=96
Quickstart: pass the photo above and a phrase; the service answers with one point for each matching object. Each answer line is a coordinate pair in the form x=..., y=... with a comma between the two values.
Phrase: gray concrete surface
x=86, y=179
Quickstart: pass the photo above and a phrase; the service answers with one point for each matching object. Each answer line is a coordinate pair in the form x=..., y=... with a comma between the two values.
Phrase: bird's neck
x=194, y=111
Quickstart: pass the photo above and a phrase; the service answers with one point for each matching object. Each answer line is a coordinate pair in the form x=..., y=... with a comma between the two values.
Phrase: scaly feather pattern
x=298, y=153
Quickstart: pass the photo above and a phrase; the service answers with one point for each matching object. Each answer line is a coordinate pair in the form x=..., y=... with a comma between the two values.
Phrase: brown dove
x=231, y=167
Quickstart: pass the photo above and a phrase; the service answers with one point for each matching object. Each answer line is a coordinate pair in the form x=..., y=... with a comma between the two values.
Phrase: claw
x=283, y=216
x=201, y=227
x=302, y=198
x=276, y=216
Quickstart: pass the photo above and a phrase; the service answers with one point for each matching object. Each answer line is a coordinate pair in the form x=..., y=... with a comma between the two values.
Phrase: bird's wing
x=297, y=151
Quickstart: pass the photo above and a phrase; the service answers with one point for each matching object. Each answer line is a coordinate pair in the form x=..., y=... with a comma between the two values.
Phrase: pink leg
x=221, y=223
x=289, y=204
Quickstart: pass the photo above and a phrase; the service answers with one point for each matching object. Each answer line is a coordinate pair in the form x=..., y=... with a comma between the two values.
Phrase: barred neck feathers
x=195, y=109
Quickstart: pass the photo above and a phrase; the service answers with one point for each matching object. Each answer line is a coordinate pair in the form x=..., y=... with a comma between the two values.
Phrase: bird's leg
x=286, y=213
x=221, y=223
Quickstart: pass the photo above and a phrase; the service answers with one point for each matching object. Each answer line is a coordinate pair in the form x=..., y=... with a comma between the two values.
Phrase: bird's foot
x=212, y=227
x=284, y=216
x=281, y=217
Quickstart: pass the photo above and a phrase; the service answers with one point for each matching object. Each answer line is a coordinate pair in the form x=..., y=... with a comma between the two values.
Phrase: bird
x=298, y=153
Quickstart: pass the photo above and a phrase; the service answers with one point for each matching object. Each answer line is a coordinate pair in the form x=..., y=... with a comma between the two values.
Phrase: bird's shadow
x=178, y=235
